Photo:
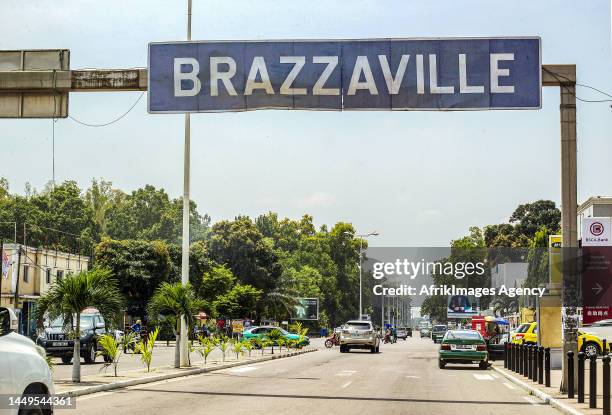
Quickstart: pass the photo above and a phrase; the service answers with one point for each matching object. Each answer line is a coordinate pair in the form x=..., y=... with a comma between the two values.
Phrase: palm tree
x=179, y=300
x=504, y=305
x=68, y=297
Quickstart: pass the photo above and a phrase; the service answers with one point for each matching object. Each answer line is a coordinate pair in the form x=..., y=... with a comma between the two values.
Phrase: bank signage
x=381, y=74
x=596, y=231
x=596, y=269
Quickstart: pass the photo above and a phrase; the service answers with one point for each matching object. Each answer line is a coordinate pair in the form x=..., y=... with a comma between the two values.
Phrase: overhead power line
x=560, y=78
x=110, y=122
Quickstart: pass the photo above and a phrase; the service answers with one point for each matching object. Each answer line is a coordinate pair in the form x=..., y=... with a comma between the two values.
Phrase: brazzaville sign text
x=391, y=74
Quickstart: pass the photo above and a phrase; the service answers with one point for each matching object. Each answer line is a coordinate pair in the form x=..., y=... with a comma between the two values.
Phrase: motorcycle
x=332, y=341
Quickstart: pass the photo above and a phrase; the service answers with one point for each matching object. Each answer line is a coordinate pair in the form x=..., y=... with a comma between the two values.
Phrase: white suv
x=359, y=334
x=22, y=365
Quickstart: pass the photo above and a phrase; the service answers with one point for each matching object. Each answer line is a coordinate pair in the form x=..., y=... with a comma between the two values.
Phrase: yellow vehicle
x=590, y=343
x=526, y=333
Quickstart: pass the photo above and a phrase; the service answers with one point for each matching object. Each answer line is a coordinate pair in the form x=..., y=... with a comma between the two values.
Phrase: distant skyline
x=418, y=178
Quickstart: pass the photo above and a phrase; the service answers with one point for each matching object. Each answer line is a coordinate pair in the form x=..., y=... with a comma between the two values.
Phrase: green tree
x=68, y=297
x=140, y=266
x=249, y=255
x=149, y=213
x=217, y=282
x=530, y=217
x=239, y=302
x=178, y=300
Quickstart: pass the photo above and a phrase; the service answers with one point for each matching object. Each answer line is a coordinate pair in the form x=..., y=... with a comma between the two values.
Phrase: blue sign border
x=489, y=108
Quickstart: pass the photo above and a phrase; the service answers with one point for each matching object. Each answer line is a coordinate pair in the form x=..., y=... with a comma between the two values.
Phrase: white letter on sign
x=496, y=72
x=190, y=76
x=225, y=77
x=258, y=66
x=393, y=84
x=362, y=65
x=420, y=75
x=433, y=78
x=299, y=62
x=464, y=88
x=318, y=88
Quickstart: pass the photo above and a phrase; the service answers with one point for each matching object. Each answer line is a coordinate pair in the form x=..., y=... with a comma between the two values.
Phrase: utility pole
x=361, y=238
x=16, y=298
x=382, y=310
x=184, y=355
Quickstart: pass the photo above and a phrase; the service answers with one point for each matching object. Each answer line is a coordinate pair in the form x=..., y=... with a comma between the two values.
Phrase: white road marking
x=413, y=377
x=531, y=400
x=346, y=373
x=495, y=376
x=509, y=385
x=243, y=369
x=482, y=377
x=347, y=383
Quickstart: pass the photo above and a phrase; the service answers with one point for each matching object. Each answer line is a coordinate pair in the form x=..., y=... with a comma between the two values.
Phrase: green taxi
x=464, y=347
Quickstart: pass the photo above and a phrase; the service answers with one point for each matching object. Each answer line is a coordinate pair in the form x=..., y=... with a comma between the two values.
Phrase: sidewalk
x=557, y=399
x=105, y=381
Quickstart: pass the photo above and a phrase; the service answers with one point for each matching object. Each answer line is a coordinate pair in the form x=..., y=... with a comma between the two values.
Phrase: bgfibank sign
x=596, y=231
x=385, y=74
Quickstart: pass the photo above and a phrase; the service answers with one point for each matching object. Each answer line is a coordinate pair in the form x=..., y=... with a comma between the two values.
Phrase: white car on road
x=23, y=368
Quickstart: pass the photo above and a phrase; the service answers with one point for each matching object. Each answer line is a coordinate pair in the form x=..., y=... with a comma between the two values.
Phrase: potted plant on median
x=179, y=300
x=112, y=349
x=274, y=336
x=205, y=348
x=69, y=296
x=145, y=348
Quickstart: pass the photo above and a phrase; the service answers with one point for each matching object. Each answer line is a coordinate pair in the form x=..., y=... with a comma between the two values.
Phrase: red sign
x=592, y=314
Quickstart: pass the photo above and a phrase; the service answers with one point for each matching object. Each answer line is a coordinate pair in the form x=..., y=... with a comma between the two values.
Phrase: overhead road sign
x=382, y=74
x=32, y=83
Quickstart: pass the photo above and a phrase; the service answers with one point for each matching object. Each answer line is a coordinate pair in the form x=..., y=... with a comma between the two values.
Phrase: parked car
x=437, y=332
x=58, y=343
x=496, y=345
x=262, y=331
x=590, y=339
x=463, y=346
x=23, y=367
x=359, y=334
x=526, y=333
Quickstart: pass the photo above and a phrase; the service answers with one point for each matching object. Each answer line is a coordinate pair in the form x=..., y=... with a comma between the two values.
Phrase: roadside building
x=510, y=274
x=27, y=272
x=594, y=207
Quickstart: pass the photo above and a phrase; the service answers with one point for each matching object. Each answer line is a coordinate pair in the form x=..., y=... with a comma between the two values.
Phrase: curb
x=555, y=403
x=166, y=376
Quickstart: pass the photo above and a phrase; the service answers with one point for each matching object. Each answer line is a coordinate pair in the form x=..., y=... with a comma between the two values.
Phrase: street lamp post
x=183, y=347
x=361, y=238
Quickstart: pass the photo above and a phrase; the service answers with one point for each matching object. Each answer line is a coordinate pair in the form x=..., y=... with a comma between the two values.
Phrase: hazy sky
x=418, y=178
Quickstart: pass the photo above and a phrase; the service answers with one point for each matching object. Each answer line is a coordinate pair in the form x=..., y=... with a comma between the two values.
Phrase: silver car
x=359, y=334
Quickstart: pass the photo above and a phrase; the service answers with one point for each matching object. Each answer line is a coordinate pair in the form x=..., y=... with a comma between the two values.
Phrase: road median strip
x=184, y=372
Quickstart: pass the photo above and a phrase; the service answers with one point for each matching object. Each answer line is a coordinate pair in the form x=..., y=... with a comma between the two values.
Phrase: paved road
x=403, y=378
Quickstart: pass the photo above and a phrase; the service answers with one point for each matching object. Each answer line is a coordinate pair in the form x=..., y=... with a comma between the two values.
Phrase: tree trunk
x=76, y=354
x=177, y=346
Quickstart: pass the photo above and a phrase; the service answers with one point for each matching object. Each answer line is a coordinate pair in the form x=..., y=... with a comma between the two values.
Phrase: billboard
x=597, y=269
x=378, y=74
x=462, y=306
x=306, y=309
x=555, y=259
